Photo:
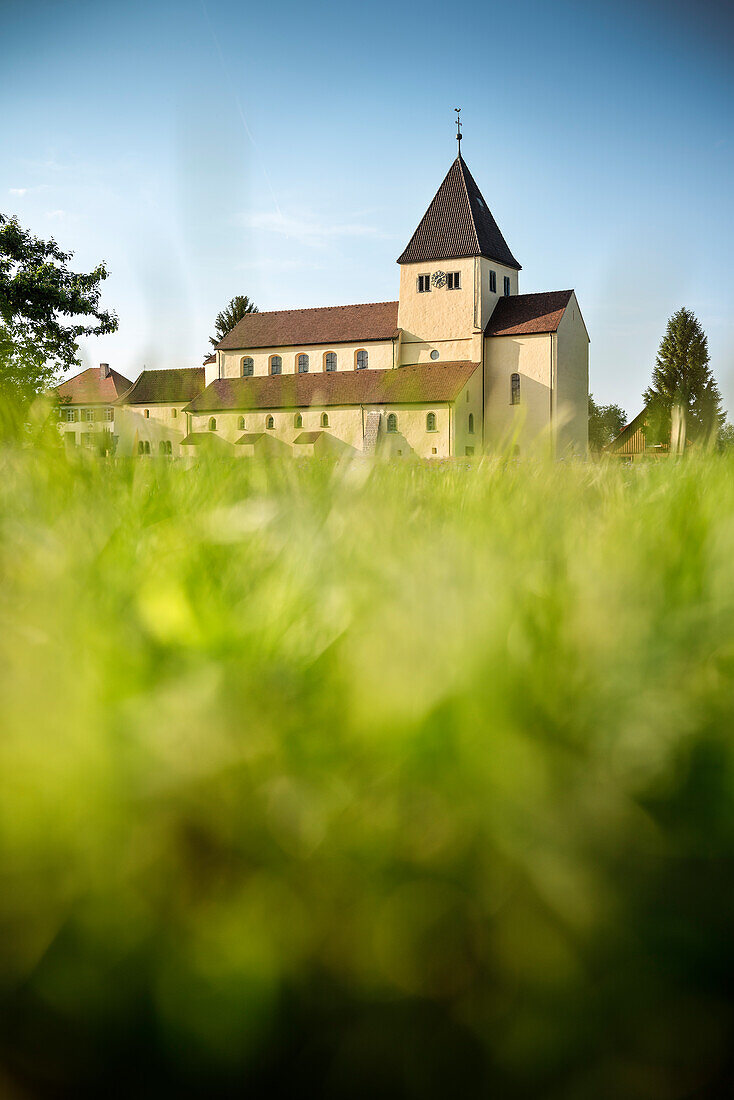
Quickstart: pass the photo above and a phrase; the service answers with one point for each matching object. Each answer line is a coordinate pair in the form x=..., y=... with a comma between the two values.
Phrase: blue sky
x=206, y=148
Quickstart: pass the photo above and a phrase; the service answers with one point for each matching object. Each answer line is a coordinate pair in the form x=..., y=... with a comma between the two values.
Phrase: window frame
x=298, y=420
x=470, y=425
x=431, y=422
x=109, y=415
x=492, y=281
x=515, y=389
x=272, y=364
x=366, y=354
x=327, y=356
x=241, y=424
x=453, y=280
x=270, y=423
x=303, y=356
x=324, y=420
x=251, y=366
x=212, y=426
x=423, y=284
x=392, y=423
x=507, y=286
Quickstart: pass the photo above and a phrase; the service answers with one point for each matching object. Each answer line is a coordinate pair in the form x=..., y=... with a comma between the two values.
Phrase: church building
x=461, y=364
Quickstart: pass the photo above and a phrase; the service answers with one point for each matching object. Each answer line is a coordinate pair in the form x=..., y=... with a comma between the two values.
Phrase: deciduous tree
x=44, y=309
x=605, y=423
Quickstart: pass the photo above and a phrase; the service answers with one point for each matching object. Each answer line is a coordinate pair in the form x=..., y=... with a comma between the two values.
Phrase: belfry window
x=248, y=367
x=514, y=389
x=392, y=423
x=276, y=364
x=453, y=280
x=507, y=286
x=424, y=284
x=330, y=360
x=302, y=361
x=362, y=359
x=493, y=282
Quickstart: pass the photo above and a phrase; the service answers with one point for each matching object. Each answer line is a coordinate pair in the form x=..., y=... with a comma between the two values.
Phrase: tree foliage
x=225, y=321
x=605, y=423
x=44, y=309
x=682, y=377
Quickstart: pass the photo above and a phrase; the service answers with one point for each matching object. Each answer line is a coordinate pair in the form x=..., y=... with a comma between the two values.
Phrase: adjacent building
x=88, y=413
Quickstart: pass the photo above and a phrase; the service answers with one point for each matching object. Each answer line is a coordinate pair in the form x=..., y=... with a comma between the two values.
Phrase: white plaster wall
x=526, y=425
x=571, y=399
x=380, y=357
x=165, y=422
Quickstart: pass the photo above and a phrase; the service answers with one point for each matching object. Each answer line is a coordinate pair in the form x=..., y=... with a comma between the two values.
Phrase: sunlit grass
x=424, y=771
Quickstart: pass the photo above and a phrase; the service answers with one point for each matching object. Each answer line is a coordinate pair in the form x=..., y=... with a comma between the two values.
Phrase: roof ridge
x=462, y=166
x=302, y=309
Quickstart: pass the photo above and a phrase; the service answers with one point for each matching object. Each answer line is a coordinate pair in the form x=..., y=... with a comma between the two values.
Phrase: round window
x=434, y=354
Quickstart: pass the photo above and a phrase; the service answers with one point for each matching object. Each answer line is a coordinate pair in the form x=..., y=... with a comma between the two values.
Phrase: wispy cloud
x=19, y=191
x=59, y=214
x=308, y=229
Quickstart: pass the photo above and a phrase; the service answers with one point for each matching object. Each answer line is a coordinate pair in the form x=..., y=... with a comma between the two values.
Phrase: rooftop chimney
x=104, y=371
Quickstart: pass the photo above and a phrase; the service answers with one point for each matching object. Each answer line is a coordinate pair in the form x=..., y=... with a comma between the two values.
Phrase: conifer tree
x=238, y=307
x=683, y=392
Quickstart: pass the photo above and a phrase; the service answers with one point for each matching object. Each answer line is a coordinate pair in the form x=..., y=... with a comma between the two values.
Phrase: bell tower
x=452, y=272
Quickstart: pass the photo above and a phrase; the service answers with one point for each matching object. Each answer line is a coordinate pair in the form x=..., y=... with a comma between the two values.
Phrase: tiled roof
x=307, y=437
x=204, y=439
x=89, y=388
x=458, y=223
x=155, y=387
x=424, y=383
x=210, y=359
x=250, y=437
x=524, y=314
x=301, y=327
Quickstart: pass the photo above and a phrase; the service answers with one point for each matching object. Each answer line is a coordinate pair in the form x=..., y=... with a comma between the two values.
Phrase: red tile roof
x=425, y=383
x=89, y=388
x=458, y=223
x=525, y=314
x=156, y=387
x=358, y=324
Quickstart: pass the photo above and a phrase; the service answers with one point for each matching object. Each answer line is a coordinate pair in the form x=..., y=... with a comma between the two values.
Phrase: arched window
x=212, y=424
x=330, y=360
x=514, y=389
x=276, y=364
x=302, y=361
x=147, y=447
x=298, y=421
x=241, y=424
x=362, y=359
x=248, y=366
x=270, y=422
x=471, y=423
x=324, y=420
x=141, y=448
x=169, y=447
x=431, y=422
x=162, y=447
x=147, y=413
x=174, y=413
x=392, y=423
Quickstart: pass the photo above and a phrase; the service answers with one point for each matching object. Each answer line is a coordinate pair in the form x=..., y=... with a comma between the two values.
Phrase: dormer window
x=493, y=282
x=453, y=280
x=507, y=286
x=424, y=284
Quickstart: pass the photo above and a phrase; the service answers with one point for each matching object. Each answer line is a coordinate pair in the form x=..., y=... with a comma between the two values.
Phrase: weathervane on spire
x=458, y=127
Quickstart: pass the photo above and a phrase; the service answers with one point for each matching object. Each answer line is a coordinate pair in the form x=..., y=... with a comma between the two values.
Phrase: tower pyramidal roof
x=458, y=223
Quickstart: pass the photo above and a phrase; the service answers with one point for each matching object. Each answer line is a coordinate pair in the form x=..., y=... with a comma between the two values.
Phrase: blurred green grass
x=397, y=780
